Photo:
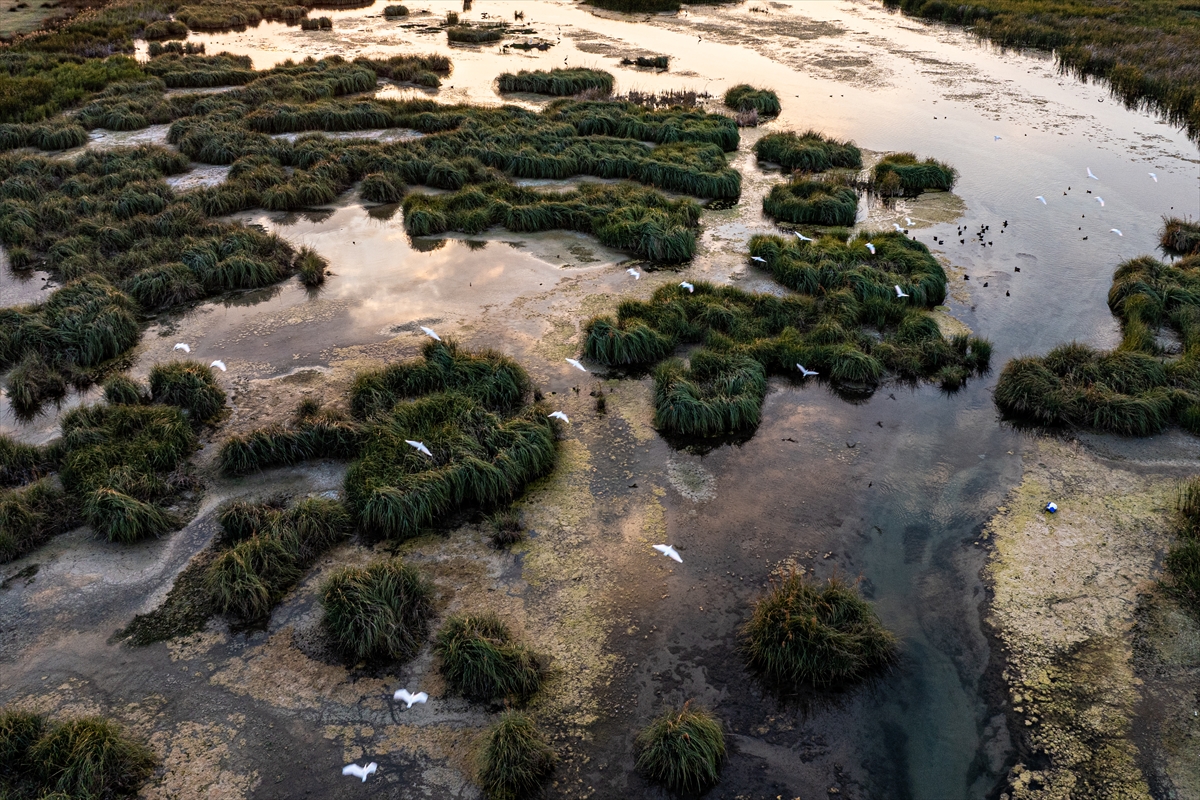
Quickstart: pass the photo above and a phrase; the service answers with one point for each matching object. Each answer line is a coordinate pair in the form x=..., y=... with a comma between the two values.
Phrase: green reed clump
x=1188, y=506
x=253, y=572
x=655, y=62
x=683, y=749
x=83, y=758
x=23, y=463
x=915, y=176
x=472, y=34
x=745, y=97
x=1180, y=237
x=201, y=71
x=395, y=12
x=121, y=390
x=311, y=267
x=189, y=385
x=325, y=436
x=557, y=82
x=812, y=202
x=715, y=393
x=808, y=152
x=805, y=634
x=379, y=611
x=46, y=136
x=506, y=527
x=32, y=514
x=482, y=661
x=637, y=6
x=514, y=758
x=121, y=518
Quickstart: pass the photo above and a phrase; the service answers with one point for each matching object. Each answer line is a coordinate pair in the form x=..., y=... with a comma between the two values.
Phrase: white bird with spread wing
x=219, y=365
x=183, y=347
x=1117, y=232
x=668, y=551
x=576, y=365
x=691, y=289
x=759, y=259
x=871, y=247
x=559, y=415
x=360, y=772
x=419, y=447
x=803, y=238
x=1039, y=197
x=896, y=225
x=409, y=697
x=900, y=292
x=429, y=332
x=637, y=276
x=808, y=373
x=1152, y=175
x=1100, y=200
x=908, y=221
x=1091, y=174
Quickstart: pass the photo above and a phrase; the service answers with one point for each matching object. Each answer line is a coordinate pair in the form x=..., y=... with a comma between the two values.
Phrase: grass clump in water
x=475, y=34
x=1180, y=237
x=812, y=202
x=915, y=176
x=804, y=634
x=482, y=661
x=745, y=97
x=557, y=82
x=683, y=749
x=514, y=759
x=85, y=758
x=189, y=385
x=311, y=266
x=378, y=612
x=807, y=152
x=395, y=12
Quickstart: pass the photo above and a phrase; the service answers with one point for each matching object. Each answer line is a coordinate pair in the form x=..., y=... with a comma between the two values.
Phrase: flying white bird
x=896, y=225
x=908, y=221
x=560, y=415
x=576, y=365
x=688, y=286
x=759, y=259
x=1117, y=232
x=360, y=772
x=410, y=698
x=995, y=138
x=1152, y=175
x=219, y=365
x=668, y=551
x=900, y=292
x=802, y=237
x=419, y=447
x=808, y=373
x=637, y=276
x=1091, y=175
x=1100, y=200
x=183, y=347
x=871, y=247
x=429, y=332
x=1039, y=197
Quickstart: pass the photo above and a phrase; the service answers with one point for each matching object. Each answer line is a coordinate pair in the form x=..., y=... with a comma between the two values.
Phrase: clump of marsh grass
x=915, y=176
x=121, y=390
x=812, y=202
x=474, y=34
x=1182, y=565
x=514, y=758
x=311, y=267
x=22, y=463
x=380, y=611
x=32, y=514
x=84, y=758
x=395, y=12
x=557, y=82
x=807, y=152
x=481, y=660
x=806, y=634
x=683, y=749
x=1180, y=237
x=506, y=527
x=745, y=97
x=637, y=6
x=651, y=62
x=189, y=385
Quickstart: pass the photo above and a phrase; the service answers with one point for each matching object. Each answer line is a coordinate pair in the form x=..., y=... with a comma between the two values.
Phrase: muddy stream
x=895, y=488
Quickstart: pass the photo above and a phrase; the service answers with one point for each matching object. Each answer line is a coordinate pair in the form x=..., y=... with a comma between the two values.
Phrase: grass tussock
x=807, y=152
x=806, y=634
x=812, y=202
x=381, y=611
x=30, y=515
x=475, y=34
x=514, y=758
x=395, y=12
x=843, y=292
x=557, y=82
x=311, y=266
x=506, y=527
x=82, y=758
x=683, y=749
x=22, y=463
x=1180, y=237
x=190, y=386
x=482, y=661
x=1181, y=568
x=745, y=97
x=914, y=176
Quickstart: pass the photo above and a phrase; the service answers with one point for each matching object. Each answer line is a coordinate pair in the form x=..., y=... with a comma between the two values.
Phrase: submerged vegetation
x=514, y=759
x=482, y=661
x=378, y=611
x=812, y=202
x=807, y=152
x=557, y=82
x=745, y=97
x=912, y=176
x=469, y=409
x=84, y=758
x=1140, y=388
x=804, y=634
x=683, y=748
x=745, y=336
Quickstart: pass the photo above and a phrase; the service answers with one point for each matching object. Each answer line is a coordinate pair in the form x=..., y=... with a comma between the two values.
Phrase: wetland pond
x=895, y=487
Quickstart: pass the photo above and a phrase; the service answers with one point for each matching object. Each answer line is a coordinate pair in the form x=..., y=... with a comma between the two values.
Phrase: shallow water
x=893, y=489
